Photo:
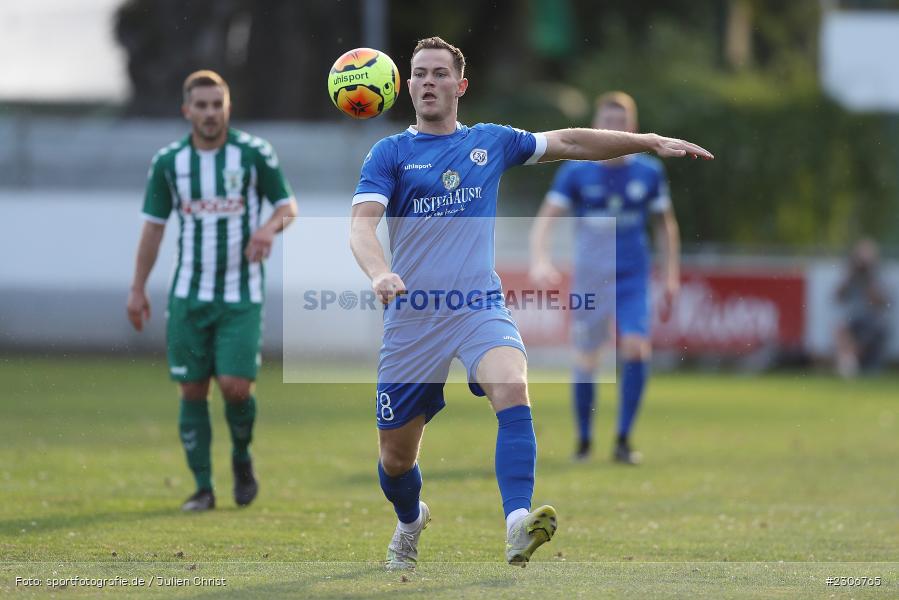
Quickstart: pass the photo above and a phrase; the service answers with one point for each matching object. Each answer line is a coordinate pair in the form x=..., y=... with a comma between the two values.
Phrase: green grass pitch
x=752, y=487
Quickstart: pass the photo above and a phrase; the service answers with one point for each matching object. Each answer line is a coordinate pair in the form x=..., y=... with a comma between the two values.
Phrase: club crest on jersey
x=233, y=179
x=451, y=179
x=478, y=156
x=636, y=190
x=592, y=190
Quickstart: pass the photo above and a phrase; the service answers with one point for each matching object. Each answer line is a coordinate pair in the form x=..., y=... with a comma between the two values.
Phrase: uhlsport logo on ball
x=363, y=83
x=348, y=300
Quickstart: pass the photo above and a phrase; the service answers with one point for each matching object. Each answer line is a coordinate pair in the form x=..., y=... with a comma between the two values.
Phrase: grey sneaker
x=402, y=553
x=529, y=534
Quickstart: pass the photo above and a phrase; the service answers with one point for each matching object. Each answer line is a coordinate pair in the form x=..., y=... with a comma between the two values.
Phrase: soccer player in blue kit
x=631, y=190
x=437, y=182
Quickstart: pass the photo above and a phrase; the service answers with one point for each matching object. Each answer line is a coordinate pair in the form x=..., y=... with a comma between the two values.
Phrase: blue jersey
x=431, y=185
x=629, y=192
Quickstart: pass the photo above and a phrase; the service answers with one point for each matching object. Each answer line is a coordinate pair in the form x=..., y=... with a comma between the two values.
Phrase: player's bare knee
x=195, y=390
x=235, y=389
x=587, y=361
x=399, y=447
x=636, y=348
x=636, y=354
x=507, y=395
x=395, y=463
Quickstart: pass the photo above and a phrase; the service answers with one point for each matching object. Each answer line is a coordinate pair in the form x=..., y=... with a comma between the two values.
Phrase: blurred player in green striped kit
x=215, y=180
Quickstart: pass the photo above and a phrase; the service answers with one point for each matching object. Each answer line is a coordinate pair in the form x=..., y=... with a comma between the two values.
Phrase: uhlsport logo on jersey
x=451, y=179
x=478, y=156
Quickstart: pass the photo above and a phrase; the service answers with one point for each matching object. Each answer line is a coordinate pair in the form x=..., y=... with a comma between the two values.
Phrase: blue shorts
x=589, y=329
x=416, y=356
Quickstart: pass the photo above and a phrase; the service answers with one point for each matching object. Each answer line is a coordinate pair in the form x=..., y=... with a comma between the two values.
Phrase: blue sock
x=516, y=457
x=584, y=397
x=633, y=379
x=403, y=491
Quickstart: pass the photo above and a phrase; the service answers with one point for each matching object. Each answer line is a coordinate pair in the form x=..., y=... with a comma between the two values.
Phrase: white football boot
x=402, y=553
x=529, y=534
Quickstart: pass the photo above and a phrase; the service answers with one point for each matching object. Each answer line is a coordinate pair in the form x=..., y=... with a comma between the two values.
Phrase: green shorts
x=212, y=338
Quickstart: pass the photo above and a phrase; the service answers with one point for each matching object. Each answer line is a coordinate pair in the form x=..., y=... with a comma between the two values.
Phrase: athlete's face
x=613, y=117
x=435, y=85
x=208, y=108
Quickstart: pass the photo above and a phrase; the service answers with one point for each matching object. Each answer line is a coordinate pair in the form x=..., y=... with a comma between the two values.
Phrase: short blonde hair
x=204, y=78
x=618, y=99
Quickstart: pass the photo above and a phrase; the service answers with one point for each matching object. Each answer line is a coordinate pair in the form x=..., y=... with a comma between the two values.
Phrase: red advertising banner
x=733, y=312
x=728, y=311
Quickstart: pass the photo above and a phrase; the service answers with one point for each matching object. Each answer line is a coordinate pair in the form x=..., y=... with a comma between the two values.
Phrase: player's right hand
x=388, y=286
x=544, y=275
x=138, y=309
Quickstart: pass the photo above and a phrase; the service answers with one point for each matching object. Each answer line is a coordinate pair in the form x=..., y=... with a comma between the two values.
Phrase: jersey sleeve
x=377, y=181
x=272, y=183
x=520, y=147
x=158, y=197
x=563, y=192
x=660, y=197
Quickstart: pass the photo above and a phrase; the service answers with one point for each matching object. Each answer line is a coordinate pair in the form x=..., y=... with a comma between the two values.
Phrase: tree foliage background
x=738, y=76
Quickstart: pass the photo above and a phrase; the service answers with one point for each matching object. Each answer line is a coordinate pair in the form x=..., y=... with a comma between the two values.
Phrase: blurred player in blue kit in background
x=633, y=191
x=430, y=180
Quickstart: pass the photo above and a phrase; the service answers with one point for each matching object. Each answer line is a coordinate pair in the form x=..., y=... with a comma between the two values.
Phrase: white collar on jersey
x=411, y=129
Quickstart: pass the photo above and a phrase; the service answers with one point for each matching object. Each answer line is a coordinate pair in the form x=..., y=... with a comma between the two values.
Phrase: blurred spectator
x=862, y=332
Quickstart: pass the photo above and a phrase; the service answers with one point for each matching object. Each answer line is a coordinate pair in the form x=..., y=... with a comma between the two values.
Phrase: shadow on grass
x=328, y=581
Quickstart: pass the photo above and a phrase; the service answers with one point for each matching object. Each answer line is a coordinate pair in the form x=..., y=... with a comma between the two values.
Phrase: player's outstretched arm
x=603, y=144
x=369, y=253
x=138, y=306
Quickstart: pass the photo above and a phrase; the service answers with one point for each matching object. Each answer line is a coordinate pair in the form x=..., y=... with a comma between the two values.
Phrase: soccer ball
x=363, y=83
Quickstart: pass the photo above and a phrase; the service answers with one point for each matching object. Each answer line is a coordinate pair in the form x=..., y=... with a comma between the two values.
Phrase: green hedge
x=791, y=166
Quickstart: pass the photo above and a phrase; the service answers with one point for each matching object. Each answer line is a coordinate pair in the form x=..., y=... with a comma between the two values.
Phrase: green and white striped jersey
x=217, y=195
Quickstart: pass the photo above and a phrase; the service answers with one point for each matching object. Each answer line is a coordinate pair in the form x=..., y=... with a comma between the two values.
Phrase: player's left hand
x=674, y=148
x=669, y=296
x=260, y=245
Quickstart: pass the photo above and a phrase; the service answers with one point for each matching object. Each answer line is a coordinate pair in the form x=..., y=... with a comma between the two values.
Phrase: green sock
x=196, y=437
x=240, y=417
